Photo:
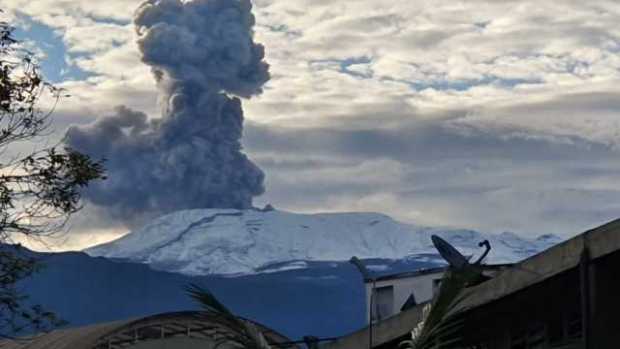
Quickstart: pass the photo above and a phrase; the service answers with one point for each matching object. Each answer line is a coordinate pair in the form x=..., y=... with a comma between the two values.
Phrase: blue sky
x=49, y=46
x=481, y=114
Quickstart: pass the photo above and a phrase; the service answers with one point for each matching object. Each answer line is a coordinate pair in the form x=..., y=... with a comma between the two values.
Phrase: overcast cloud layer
x=493, y=115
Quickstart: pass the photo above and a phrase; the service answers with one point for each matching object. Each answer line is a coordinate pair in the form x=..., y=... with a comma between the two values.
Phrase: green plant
x=442, y=324
x=39, y=190
x=245, y=334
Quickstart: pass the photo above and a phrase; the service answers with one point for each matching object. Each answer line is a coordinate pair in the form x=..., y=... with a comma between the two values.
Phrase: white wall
x=420, y=285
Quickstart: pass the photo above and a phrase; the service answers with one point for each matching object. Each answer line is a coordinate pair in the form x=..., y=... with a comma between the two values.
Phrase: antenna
x=367, y=277
x=487, y=245
x=361, y=267
x=449, y=253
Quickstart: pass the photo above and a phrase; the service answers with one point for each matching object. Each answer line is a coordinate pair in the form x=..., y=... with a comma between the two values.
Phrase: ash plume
x=203, y=58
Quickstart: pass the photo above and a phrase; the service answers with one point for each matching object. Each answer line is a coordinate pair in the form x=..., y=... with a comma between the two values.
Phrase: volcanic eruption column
x=203, y=58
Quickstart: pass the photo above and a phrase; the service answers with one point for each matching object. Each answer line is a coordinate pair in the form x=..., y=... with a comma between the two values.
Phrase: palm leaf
x=441, y=326
x=207, y=300
x=247, y=335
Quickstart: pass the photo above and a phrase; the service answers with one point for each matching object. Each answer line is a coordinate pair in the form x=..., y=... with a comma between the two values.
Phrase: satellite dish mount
x=454, y=258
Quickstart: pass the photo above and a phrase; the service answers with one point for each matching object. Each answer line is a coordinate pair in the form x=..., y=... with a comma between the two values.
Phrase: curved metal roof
x=123, y=334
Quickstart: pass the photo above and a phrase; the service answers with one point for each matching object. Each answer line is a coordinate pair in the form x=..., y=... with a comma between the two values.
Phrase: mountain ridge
x=240, y=242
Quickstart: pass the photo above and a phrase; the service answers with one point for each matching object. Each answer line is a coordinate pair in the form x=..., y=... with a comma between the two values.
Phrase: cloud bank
x=492, y=115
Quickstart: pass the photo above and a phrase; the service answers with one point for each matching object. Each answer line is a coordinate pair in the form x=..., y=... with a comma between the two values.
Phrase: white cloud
x=474, y=54
x=537, y=74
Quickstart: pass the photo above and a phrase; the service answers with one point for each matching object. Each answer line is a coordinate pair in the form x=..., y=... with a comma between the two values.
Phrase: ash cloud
x=203, y=58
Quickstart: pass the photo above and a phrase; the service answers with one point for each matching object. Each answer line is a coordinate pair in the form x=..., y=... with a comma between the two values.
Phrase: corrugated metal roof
x=407, y=274
x=74, y=338
x=121, y=334
x=427, y=271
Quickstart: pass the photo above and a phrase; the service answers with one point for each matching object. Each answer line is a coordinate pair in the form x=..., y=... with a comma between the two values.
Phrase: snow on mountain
x=227, y=241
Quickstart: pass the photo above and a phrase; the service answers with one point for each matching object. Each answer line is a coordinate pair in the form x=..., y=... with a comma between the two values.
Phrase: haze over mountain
x=267, y=265
x=326, y=300
x=234, y=242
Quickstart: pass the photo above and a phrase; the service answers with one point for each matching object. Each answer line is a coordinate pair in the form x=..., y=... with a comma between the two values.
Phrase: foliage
x=39, y=190
x=441, y=324
x=246, y=335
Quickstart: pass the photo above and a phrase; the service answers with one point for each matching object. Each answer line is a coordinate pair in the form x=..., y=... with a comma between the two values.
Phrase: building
x=182, y=330
x=397, y=292
x=564, y=298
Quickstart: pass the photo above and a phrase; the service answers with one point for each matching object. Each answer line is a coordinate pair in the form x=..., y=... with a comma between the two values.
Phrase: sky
x=489, y=115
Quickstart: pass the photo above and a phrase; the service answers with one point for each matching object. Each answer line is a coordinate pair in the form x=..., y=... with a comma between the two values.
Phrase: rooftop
x=598, y=242
x=427, y=271
x=124, y=334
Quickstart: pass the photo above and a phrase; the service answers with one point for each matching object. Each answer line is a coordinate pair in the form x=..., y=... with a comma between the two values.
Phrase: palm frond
x=441, y=324
x=247, y=335
x=207, y=300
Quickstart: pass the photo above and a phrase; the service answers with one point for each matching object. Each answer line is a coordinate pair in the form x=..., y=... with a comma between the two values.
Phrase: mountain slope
x=219, y=241
x=327, y=299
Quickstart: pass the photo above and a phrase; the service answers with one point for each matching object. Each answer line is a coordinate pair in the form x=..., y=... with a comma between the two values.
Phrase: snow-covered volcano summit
x=221, y=241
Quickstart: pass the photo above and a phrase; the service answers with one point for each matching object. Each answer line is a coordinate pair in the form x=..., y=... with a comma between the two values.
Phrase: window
x=384, y=297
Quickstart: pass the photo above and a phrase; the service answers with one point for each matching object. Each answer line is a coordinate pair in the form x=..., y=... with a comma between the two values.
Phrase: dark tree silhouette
x=39, y=190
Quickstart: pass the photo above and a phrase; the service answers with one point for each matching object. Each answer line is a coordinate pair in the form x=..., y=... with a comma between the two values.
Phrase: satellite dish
x=449, y=253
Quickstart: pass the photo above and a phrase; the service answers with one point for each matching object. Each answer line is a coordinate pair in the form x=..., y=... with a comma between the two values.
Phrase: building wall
x=564, y=298
x=423, y=286
x=545, y=315
x=605, y=302
x=420, y=285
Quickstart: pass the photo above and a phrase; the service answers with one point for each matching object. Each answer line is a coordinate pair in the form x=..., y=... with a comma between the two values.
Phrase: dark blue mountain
x=324, y=299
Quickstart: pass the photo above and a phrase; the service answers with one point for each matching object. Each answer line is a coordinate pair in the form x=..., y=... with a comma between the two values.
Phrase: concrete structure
x=566, y=298
x=393, y=291
x=182, y=330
